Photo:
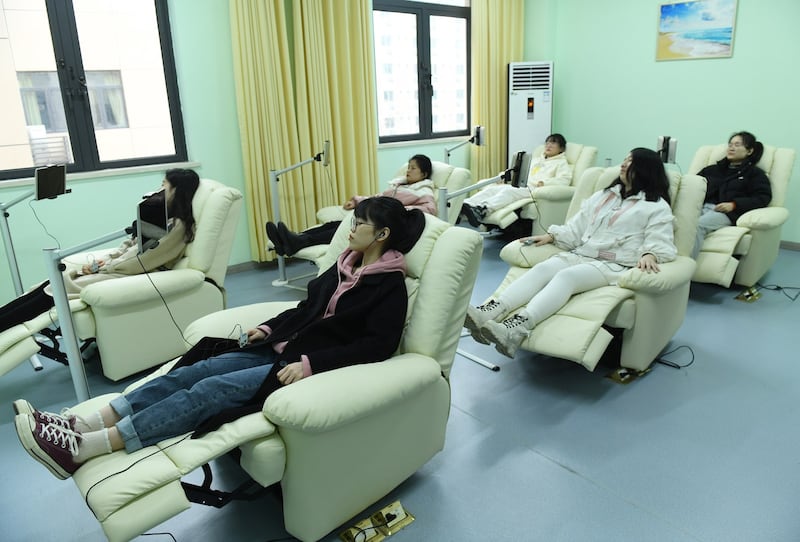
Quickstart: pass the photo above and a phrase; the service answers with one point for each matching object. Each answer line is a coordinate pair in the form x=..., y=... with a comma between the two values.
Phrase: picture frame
x=696, y=29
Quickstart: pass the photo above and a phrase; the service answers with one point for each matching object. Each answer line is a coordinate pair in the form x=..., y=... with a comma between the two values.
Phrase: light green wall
x=202, y=45
x=610, y=92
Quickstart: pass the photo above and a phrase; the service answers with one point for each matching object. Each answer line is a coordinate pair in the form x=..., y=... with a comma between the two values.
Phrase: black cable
x=673, y=364
x=778, y=288
x=161, y=534
x=30, y=204
x=281, y=539
x=158, y=451
x=171, y=316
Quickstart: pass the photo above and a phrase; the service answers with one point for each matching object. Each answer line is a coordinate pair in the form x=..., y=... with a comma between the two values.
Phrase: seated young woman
x=549, y=168
x=415, y=191
x=179, y=187
x=354, y=313
x=735, y=185
x=629, y=224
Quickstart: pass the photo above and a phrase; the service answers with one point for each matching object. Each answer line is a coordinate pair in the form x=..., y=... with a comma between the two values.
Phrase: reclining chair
x=550, y=203
x=110, y=310
x=444, y=175
x=647, y=308
x=744, y=252
x=338, y=441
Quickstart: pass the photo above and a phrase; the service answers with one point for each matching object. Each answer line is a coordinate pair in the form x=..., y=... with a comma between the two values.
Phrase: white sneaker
x=478, y=316
x=508, y=334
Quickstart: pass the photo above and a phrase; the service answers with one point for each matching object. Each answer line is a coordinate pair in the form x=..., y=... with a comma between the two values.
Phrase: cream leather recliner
x=550, y=203
x=338, y=441
x=648, y=307
x=743, y=253
x=128, y=317
x=444, y=175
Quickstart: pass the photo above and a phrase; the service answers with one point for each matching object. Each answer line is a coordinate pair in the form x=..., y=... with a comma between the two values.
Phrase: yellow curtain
x=497, y=39
x=336, y=95
x=265, y=100
x=286, y=111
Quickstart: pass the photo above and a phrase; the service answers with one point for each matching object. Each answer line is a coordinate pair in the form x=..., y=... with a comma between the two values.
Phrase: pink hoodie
x=390, y=261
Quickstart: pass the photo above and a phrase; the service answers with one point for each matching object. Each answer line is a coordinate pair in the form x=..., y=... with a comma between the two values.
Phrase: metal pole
x=69, y=337
x=276, y=212
x=70, y=340
x=9, y=244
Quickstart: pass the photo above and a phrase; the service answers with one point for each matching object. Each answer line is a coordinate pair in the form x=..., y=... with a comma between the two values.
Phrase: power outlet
x=363, y=531
x=391, y=518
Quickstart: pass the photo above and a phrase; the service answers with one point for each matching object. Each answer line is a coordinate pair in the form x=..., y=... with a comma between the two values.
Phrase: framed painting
x=696, y=29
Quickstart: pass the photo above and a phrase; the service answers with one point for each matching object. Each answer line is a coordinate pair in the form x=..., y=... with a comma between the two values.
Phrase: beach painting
x=698, y=29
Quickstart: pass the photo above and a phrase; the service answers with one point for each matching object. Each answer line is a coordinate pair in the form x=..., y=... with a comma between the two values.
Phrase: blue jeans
x=177, y=402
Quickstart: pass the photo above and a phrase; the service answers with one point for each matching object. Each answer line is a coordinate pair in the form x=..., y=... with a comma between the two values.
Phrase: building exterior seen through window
x=91, y=84
x=421, y=69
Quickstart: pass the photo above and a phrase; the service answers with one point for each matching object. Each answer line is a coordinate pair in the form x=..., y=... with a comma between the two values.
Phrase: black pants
x=25, y=307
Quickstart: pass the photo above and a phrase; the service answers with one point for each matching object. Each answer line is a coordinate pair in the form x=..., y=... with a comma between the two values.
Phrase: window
x=94, y=80
x=422, y=61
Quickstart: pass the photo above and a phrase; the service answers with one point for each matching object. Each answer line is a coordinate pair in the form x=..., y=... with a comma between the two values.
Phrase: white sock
x=92, y=422
x=93, y=444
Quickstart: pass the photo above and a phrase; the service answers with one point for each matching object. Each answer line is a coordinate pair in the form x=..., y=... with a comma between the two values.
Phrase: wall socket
x=391, y=518
x=363, y=531
x=383, y=523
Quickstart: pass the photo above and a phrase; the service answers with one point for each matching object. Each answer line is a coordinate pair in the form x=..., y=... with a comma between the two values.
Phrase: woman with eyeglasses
x=415, y=191
x=735, y=185
x=354, y=313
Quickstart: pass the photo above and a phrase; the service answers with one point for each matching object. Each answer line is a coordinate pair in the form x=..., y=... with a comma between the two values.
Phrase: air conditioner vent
x=531, y=76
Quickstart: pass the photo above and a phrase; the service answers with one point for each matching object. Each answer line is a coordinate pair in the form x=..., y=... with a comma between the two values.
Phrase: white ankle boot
x=508, y=334
x=478, y=316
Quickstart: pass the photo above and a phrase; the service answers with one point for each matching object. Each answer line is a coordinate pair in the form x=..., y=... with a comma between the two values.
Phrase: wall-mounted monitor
x=51, y=181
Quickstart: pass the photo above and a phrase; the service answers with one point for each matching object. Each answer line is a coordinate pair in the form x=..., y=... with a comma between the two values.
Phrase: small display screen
x=51, y=181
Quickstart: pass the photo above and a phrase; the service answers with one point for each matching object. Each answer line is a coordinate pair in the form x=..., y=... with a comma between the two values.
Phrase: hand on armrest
x=672, y=275
x=519, y=255
x=331, y=399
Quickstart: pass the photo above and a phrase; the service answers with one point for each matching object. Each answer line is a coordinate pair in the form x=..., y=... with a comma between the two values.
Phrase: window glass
x=449, y=73
x=88, y=83
x=421, y=69
x=396, y=76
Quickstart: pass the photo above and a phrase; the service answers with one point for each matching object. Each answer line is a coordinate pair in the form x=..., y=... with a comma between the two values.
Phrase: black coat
x=366, y=327
x=747, y=187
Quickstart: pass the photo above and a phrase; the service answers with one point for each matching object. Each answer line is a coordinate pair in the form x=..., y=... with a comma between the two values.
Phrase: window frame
x=424, y=11
x=77, y=110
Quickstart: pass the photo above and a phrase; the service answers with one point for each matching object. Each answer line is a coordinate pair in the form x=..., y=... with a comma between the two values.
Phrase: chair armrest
x=556, y=192
x=337, y=398
x=672, y=275
x=332, y=213
x=139, y=288
x=518, y=255
x=765, y=218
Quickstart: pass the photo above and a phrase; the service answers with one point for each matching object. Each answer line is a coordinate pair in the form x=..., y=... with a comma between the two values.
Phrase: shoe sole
x=21, y=406
x=474, y=330
x=274, y=237
x=489, y=334
x=22, y=423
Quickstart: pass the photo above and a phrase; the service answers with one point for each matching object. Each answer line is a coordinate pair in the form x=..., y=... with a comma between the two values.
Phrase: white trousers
x=497, y=196
x=547, y=286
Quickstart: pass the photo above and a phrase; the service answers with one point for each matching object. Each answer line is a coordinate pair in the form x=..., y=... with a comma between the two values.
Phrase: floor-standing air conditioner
x=530, y=93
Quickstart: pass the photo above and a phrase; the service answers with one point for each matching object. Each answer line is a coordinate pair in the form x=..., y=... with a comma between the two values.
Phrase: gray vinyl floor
x=541, y=450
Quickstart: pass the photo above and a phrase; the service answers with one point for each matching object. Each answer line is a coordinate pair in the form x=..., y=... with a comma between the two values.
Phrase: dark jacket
x=366, y=327
x=746, y=186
